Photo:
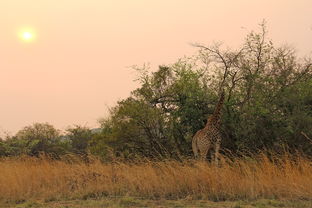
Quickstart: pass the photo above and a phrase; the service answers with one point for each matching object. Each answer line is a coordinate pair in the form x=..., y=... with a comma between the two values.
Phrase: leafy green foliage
x=43, y=138
x=79, y=137
x=38, y=138
x=160, y=117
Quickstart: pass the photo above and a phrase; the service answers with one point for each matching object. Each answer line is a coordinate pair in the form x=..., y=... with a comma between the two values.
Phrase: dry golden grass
x=283, y=177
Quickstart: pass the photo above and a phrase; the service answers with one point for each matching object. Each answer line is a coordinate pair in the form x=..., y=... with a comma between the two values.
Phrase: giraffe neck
x=215, y=117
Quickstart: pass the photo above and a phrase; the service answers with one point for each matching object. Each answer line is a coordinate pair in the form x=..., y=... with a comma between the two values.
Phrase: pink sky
x=79, y=63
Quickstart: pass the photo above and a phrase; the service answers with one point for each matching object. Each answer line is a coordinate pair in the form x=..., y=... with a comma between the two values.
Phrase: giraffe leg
x=205, y=155
x=195, y=148
x=204, y=152
x=217, y=149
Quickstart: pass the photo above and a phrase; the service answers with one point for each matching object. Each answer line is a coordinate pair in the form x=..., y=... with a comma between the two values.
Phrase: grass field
x=284, y=181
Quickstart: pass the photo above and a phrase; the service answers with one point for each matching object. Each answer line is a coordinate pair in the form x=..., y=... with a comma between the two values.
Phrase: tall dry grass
x=287, y=177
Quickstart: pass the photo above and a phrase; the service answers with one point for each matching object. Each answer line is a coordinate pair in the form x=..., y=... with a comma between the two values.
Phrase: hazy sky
x=78, y=64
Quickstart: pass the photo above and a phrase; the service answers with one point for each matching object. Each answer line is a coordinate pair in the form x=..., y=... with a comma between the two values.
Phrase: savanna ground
x=258, y=181
x=137, y=202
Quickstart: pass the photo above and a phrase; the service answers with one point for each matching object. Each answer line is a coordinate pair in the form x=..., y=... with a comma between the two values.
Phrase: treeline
x=268, y=106
x=43, y=138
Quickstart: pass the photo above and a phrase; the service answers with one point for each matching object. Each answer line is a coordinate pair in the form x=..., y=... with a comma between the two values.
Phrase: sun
x=27, y=35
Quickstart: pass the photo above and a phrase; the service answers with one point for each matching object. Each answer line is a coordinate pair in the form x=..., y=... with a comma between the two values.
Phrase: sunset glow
x=27, y=36
x=63, y=62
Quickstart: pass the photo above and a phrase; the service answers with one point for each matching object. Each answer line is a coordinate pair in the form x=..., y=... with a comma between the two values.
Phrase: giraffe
x=210, y=135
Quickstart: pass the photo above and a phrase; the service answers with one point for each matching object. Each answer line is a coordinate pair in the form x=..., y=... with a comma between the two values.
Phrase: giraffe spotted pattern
x=210, y=136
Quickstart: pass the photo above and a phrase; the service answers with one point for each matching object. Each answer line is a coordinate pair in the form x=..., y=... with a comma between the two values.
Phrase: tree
x=39, y=138
x=79, y=137
x=262, y=80
x=159, y=118
x=3, y=148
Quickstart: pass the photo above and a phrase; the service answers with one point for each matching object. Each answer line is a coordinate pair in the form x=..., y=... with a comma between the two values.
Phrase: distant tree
x=3, y=148
x=39, y=138
x=101, y=144
x=38, y=131
x=79, y=137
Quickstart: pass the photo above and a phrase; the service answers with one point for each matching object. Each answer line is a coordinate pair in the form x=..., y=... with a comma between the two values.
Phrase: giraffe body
x=210, y=136
x=205, y=139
